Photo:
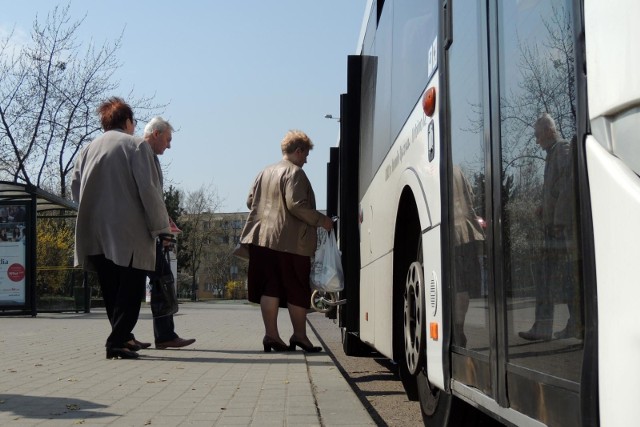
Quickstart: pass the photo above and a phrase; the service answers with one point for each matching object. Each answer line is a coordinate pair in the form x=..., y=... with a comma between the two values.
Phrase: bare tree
x=546, y=85
x=198, y=227
x=49, y=92
x=217, y=264
x=220, y=265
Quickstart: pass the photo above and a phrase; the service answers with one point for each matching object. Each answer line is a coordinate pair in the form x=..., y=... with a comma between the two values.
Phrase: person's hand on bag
x=327, y=223
x=167, y=240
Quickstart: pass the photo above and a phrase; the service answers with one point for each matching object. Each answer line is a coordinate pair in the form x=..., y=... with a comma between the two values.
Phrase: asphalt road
x=373, y=379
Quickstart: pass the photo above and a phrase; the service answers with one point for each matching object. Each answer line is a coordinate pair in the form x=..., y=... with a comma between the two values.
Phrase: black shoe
x=306, y=348
x=175, y=343
x=142, y=345
x=122, y=353
x=132, y=347
x=269, y=343
x=532, y=335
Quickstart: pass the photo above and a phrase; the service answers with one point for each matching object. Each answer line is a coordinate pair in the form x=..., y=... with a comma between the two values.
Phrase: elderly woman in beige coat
x=120, y=213
x=281, y=235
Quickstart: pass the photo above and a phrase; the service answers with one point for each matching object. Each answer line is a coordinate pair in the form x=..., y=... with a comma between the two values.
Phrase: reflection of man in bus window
x=468, y=239
x=558, y=215
x=3, y=235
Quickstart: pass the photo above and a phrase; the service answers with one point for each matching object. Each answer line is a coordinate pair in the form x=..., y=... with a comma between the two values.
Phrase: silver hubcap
x=413, y=317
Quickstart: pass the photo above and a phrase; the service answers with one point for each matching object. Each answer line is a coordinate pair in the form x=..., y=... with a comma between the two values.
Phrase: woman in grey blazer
x=120, y=213
x=281, y=235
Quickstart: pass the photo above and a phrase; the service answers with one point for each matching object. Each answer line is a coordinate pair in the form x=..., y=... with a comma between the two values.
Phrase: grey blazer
x=283, y=213
x=121, y=210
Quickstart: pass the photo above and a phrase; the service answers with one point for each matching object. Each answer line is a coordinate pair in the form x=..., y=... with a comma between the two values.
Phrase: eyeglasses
x=135, y=122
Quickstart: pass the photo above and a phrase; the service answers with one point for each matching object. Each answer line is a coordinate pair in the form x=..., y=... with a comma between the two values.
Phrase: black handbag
x=164, y=301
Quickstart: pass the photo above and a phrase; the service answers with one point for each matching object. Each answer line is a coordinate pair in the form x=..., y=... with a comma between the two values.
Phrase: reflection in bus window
x=558, y=215
x=468, y=243
x=468, y=253
x=538, y=119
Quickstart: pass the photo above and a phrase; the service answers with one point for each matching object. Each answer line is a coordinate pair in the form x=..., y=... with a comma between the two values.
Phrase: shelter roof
x=45, y=201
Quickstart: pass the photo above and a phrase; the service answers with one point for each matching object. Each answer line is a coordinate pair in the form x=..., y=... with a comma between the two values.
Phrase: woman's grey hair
x=157, y=124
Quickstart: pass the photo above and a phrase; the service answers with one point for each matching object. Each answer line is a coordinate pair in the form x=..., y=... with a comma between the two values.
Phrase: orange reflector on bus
x=433, y=331
x=429, y=101
x=366, y=316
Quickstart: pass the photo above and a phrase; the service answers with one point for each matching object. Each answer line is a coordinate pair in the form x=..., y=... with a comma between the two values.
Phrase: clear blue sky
x=237, y=74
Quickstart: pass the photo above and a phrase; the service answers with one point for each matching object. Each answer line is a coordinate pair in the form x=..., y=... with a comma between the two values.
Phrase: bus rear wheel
x=408, y=292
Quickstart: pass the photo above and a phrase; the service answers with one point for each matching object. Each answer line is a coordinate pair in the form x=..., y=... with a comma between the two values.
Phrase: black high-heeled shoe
x=122, y=353
x=306, y=348
x=269, y=343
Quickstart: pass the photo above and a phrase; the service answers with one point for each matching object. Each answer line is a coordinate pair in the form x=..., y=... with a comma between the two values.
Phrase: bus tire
x=407, y=251
x=440, y=409
x=435, y=404
x=353, y=346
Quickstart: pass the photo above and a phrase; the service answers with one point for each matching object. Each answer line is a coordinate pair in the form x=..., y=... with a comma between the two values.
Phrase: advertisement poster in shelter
x=12, y=255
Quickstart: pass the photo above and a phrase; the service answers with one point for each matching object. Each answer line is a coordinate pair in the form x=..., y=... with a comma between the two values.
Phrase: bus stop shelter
x=20, y=206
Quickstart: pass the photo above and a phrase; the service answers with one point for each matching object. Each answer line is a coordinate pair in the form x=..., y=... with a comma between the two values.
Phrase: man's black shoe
x=534, y=336
x=568, y=332
x=175, y=343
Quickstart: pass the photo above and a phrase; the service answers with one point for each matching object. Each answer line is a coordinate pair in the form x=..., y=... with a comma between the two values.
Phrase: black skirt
x=280, y=275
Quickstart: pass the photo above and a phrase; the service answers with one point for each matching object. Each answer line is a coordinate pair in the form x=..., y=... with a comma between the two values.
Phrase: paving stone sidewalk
x=53, y=372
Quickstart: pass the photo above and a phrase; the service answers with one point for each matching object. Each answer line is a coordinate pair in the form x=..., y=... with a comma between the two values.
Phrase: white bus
x=486, y=181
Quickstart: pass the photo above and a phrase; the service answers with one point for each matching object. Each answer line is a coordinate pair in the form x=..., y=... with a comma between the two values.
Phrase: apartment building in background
x=221, y=274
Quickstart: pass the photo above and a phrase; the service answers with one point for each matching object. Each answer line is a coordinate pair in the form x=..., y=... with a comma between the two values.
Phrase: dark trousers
x=558, y=284
x=122, y=290
x=164, y=329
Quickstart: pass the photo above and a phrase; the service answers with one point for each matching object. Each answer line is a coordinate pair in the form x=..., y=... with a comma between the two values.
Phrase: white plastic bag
x=326, y=266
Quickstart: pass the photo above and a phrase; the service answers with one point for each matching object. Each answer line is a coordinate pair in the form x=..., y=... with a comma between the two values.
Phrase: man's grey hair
x=546, y=125
x=157, y=124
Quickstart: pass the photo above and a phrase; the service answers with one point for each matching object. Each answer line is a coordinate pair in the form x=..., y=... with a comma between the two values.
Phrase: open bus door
x=518, y=322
